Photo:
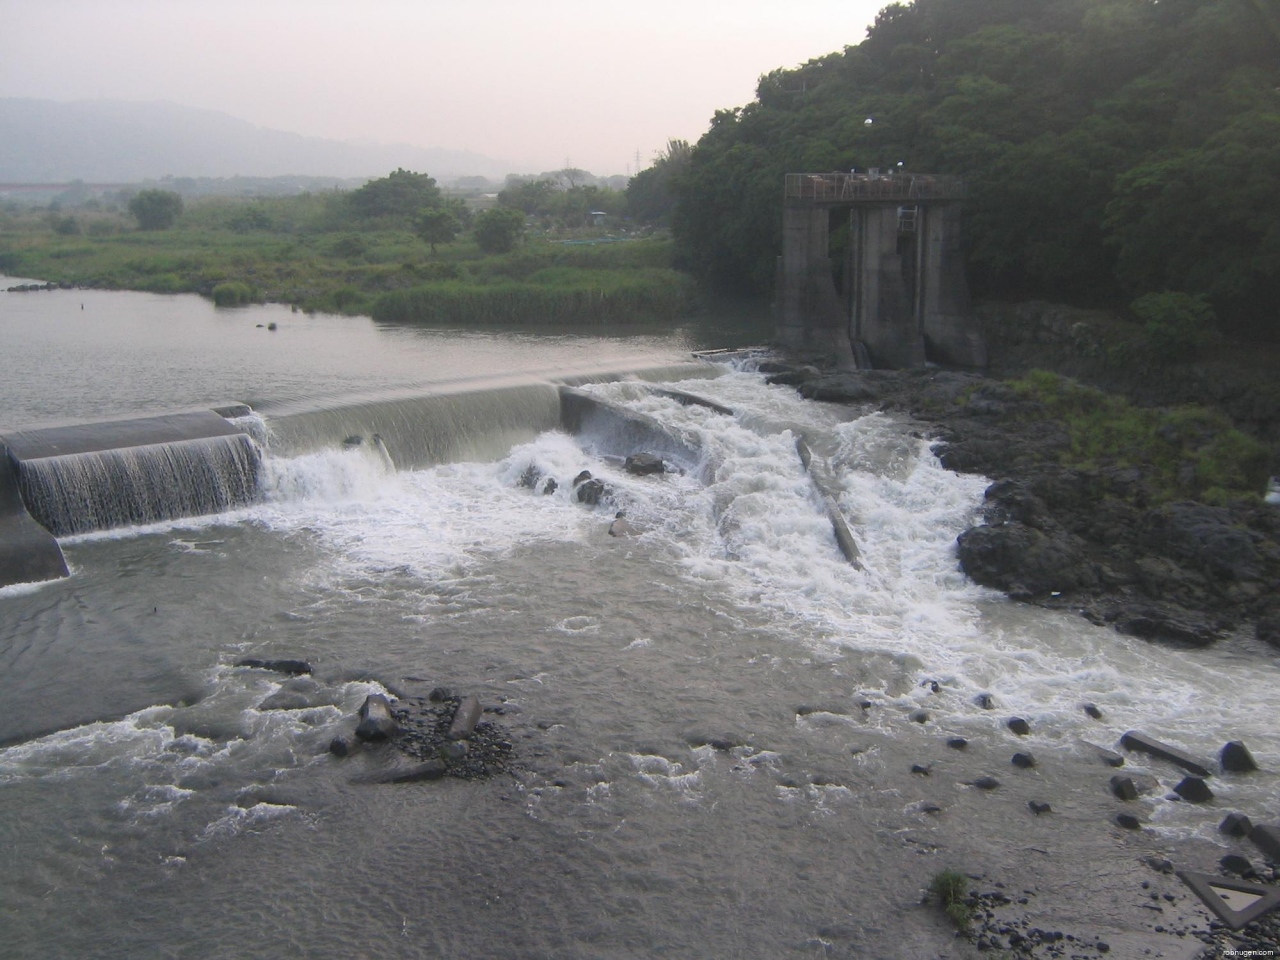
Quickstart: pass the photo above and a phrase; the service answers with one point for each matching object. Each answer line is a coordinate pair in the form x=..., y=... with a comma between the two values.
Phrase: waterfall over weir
x=98, y=476
x=88, y=477
x=104, y=489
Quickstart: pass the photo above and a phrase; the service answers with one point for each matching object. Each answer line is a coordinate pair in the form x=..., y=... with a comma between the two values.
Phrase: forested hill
x=1112, y=147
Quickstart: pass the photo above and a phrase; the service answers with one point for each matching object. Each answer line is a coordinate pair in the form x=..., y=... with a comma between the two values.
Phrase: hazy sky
x=533, y=83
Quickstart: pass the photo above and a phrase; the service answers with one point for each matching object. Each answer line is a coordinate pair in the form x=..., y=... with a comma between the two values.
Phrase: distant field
x=308, y=252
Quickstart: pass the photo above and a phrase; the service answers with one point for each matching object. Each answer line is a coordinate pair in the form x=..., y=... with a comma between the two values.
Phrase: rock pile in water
x=444, y=733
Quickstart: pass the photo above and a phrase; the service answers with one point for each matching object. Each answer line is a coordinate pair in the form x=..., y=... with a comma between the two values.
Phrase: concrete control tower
x=898, y=296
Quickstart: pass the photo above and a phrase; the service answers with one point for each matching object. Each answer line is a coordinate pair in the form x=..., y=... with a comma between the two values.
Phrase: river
x=153, y=805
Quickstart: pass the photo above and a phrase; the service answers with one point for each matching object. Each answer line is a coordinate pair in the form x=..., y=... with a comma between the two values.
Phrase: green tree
x=1111, y=147
x=401, y=194
x=436, y=226
x=499, y=230
x=156, y=209
x=529, y=196
x=1177, y=326
x=650, y=196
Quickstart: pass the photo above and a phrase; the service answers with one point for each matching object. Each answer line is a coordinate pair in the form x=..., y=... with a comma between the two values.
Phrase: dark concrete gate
x=902, y=296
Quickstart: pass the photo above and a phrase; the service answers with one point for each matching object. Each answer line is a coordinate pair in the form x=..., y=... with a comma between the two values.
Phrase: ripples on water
x=158, y=800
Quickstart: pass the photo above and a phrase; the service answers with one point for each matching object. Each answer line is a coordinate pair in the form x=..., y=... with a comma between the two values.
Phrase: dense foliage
x=1113, y=148
x=561, y=200
x=651, y=196
x=154, y=210
x=499, y=230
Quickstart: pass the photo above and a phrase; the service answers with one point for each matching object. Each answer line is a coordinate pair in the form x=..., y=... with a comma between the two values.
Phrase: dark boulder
x=1039, y=807
x=1234, y=863
x=1091, y=710
x=1011, y=500
x=1109, y=757
x=376, y=722
x=1024, y=761
x=1123, y=788
x=340, y=746
x=1193, y=790
x=986, y=701
x=590, y=492
x=1023, y=561
x=1162, y=624
x=1236, y=758
x=1127, y=820
x=985, y=783
x=957, y=743
x=1235, y=825
x=918, y=716
x=1018, y=726
x=644, y=464
x=293, y=667
x=1204, y=537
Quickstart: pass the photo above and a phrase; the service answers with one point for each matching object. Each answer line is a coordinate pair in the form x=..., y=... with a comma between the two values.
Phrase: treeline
x=1113, y=148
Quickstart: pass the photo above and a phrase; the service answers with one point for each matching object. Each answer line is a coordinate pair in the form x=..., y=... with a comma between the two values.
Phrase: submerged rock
x=1124, y=788
x=644, y=464
x=376, y=722
x=1236, y=758
x=1235, y=825
x=294, y=667
x=590, y=492
x=1193, y=790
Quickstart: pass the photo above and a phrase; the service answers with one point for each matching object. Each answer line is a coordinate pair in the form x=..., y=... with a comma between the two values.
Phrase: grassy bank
x=303, y=252
x=1181, y=452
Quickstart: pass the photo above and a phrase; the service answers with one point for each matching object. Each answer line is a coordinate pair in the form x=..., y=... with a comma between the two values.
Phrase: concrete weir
x=897, y=295
x=28, y=552
x=72, y=479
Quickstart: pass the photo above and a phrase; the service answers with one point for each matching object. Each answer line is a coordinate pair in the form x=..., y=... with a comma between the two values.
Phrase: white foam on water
x=657, y=771
x=757, y=531
x=161, y=757
x=26, y=589
x=238, y=820
x=751, y=526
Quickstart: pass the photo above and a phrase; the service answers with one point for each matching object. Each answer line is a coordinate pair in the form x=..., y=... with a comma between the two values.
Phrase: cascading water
x=714, y=714
x=105, y=489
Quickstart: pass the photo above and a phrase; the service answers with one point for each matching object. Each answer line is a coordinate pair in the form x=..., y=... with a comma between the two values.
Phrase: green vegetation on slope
x=1183, y=452
x=1113, y=148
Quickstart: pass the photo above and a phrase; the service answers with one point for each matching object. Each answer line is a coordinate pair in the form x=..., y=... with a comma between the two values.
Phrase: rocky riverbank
x=1108, y=537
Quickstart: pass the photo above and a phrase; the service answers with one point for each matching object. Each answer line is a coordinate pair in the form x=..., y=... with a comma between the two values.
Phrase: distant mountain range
x=113, y=141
